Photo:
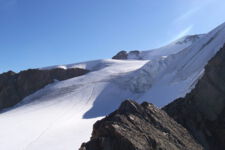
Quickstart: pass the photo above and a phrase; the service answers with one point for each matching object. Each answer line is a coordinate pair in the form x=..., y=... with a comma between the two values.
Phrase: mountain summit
x=159, y=53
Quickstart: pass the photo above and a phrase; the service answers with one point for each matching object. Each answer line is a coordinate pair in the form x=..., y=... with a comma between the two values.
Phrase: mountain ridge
x=16, y=86
x=159, y=53
x=139, y=127
x=202, y=110
x=200, y=118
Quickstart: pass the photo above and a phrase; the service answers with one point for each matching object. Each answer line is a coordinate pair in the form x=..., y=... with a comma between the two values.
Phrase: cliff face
x=202, y=111
x=16, y=86
x=139, y=127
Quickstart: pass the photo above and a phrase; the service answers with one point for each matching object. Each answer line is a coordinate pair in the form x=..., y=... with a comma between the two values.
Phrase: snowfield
x=61, y=115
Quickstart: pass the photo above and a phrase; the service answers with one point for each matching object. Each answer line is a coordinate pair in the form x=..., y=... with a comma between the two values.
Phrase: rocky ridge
x=202, y=111
x=139, y=127
x=16, y=86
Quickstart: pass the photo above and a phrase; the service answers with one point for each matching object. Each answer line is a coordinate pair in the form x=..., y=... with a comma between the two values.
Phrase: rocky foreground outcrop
x=139, y=127
x=202, y=111
x=15, y=86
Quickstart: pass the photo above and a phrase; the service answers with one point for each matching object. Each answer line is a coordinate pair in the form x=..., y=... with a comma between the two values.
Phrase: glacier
x=60, y=116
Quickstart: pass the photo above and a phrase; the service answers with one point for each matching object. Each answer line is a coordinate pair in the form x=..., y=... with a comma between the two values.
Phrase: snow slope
x=52, y=118
x=163, y=52
x=60, y=116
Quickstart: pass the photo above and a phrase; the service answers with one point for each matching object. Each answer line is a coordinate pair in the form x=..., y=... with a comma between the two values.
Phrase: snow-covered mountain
x=159, y=53
x=60, y=116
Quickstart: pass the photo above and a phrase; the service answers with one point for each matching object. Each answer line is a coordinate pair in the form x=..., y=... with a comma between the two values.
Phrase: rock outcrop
x=202, y=111
x=139, y=127
x=121, y=55
x=15, y=86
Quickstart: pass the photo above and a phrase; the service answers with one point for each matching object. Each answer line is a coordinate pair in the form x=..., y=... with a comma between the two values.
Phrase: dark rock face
x=139, y=127
x=14, y=87
x=135, y=52
x=202, y=111
x=121, y=55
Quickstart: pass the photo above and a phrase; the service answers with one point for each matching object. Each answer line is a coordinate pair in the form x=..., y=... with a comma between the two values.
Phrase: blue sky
x=38, y=33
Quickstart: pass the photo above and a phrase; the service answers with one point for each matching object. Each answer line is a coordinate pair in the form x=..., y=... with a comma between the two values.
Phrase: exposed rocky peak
x=139, y=127
x=121, y=55
x=202, y=111
x=16, y=86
